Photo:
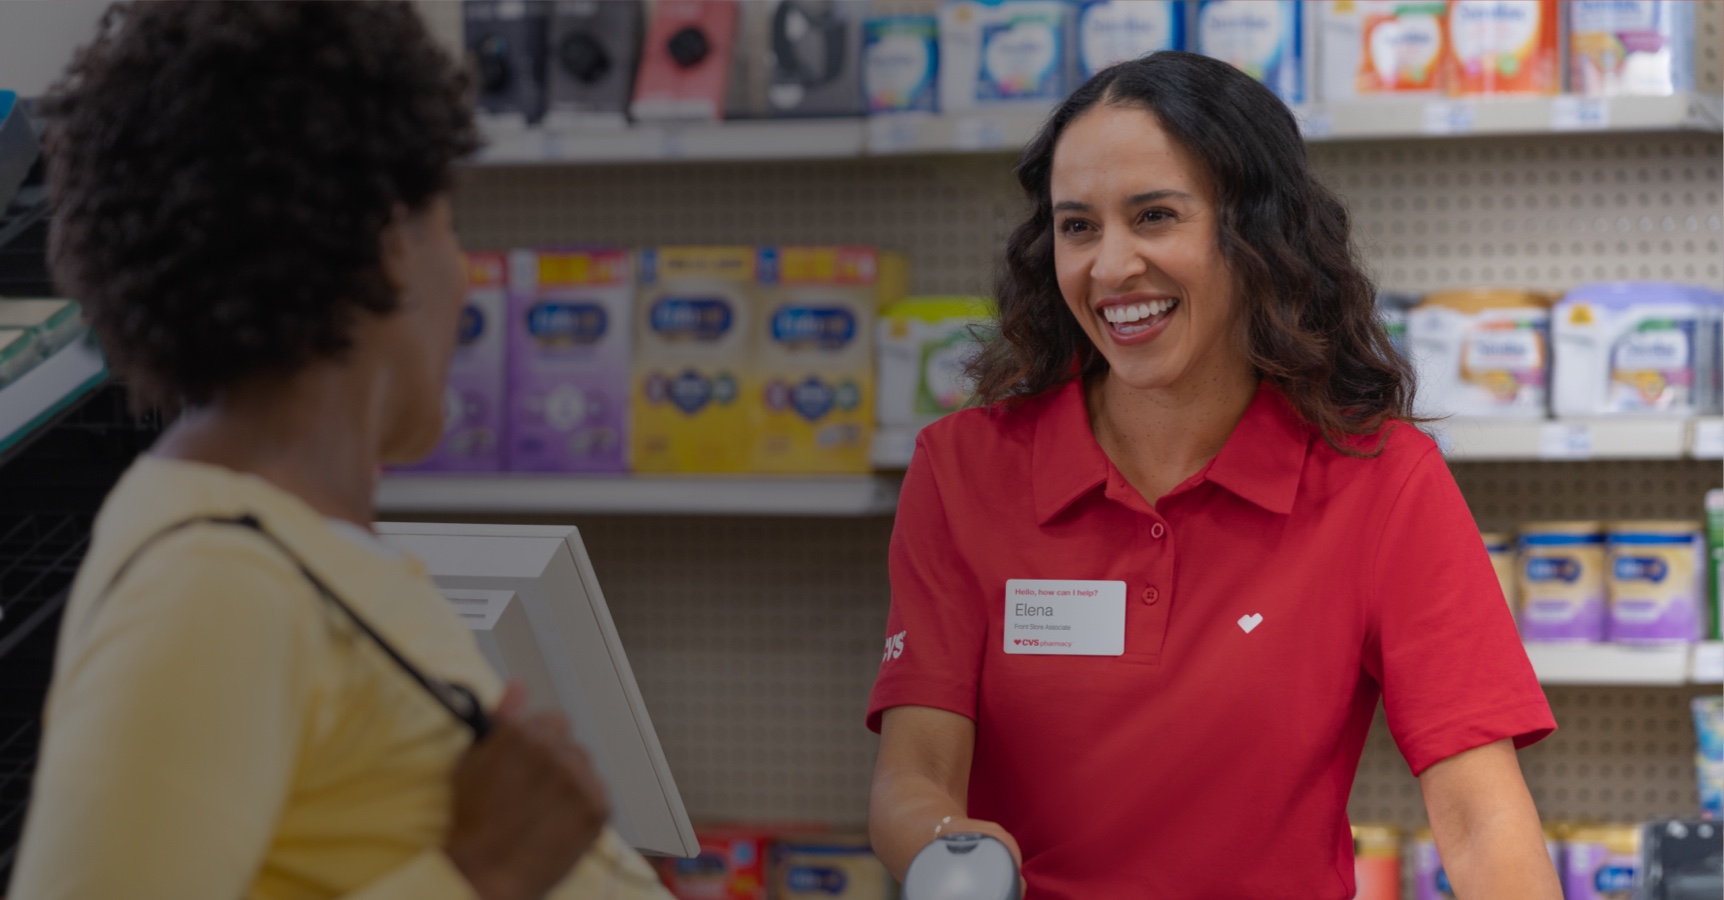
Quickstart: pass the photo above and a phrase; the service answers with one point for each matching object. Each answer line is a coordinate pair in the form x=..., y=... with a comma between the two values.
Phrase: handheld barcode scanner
x=962, y=866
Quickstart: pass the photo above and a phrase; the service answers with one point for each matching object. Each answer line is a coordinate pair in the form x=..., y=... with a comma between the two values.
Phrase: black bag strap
x=458, y=699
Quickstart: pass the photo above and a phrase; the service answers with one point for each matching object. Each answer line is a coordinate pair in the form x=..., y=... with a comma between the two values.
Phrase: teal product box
x=901, y=63
x=1263, y=38
x=1114, y=31
x=1005, y=52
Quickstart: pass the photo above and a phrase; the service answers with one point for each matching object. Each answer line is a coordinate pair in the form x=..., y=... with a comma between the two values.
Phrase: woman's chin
x=405, y=450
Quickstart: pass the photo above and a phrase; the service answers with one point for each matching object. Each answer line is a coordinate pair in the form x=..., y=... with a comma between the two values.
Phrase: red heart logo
x=1016, y=641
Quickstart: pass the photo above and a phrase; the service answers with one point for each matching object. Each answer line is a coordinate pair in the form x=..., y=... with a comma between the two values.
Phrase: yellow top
x=215, y=729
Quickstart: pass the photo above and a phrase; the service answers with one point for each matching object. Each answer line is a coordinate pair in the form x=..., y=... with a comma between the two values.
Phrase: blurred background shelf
x=1613, y=664
x=504, y=494
x=1009, y=128
x=1566, y=439
x=49, y=388
x=675, y=142
x=1442, y=117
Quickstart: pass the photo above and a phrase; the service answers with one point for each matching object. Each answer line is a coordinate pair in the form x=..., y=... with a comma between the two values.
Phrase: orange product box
x=1405, y=46
x=1503, y=47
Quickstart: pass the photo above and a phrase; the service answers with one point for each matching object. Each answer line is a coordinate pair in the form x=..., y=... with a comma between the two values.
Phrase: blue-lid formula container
x=1563, y=586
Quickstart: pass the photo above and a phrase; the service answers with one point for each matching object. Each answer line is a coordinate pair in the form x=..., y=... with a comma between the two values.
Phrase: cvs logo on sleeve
x=894, y=647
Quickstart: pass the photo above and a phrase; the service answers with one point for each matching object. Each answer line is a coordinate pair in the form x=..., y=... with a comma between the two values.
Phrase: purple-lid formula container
x=1656, y=582
x=1562, y=581
x=1601, y=862
x=569, y=344
x=473, y=401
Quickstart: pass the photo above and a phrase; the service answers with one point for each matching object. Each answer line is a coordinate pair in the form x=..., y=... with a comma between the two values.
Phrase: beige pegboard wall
x=1619, y=754
x=1544, y=212
x=755, y=642
x=1505, y=494
x=1541, y=212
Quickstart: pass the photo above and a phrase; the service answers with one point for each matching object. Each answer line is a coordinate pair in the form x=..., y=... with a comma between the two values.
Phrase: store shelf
x=41, y=393
x=1564, y=439
x=1611, y=664
x=1008, y=128
x=1706, y=438
x=676, y=142
x=1708, y=665
x=502, y=494
x=1440, y=117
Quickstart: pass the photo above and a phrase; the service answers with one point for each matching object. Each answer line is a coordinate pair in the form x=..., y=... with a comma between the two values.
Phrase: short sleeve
x=938, y=623
x=1442, y=641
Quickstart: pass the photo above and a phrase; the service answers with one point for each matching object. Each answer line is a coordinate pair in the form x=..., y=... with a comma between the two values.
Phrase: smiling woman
x=1235, y=209
x=1196, y=455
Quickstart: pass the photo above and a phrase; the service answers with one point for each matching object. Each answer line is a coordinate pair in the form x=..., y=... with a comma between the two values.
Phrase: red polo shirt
x=1270, y=600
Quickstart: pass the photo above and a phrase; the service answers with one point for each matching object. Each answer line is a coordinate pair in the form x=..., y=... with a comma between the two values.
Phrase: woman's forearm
x=904, y=808
x=1500, y=859
x=1487, y=828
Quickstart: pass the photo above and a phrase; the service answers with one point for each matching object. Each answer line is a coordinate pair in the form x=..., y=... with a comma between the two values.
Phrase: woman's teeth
x=1122, y=317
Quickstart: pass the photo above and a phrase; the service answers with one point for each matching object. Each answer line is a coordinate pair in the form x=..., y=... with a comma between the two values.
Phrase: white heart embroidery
x=1246, y=623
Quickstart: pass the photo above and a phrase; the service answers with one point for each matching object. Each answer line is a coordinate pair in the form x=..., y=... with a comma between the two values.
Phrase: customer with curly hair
x=252, y=205
x=1146, y=598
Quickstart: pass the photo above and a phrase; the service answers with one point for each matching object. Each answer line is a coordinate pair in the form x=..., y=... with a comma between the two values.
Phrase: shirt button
x=1156, y=531
x=1150, y=595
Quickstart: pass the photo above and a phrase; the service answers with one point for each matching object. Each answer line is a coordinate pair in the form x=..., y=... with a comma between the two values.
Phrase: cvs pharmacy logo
x=894, y=647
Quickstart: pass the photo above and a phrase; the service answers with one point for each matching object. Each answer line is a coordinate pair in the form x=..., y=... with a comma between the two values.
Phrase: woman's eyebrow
x=1133, y=200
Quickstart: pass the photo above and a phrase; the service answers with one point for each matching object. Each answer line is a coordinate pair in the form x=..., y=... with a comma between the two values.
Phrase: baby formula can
x=1602, y=862
x=1656, y=581
x=1562, y=581
x=1430, y=882
x=1377, y=862
x=1503, y=47
x=1263, y=38
x=1403, y=47
x=1643, y=47
x=1500, y=546
x=1481, y=352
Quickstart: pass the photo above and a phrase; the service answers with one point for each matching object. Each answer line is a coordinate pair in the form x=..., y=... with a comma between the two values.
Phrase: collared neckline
x=1261, y=461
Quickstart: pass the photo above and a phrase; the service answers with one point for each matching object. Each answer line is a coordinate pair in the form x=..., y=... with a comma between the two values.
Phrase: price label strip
x=1565, y=440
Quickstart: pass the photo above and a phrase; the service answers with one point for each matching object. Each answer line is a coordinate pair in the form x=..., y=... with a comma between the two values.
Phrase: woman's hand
x=991, y=829
x=528, y=805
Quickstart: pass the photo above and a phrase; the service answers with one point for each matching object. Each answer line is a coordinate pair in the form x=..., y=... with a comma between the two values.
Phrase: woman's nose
x=1117, y=260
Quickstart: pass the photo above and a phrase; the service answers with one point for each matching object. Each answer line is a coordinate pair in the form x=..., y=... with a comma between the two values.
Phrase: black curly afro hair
x=221, y=174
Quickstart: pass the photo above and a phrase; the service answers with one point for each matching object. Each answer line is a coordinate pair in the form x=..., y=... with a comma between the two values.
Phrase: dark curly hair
x=1312, y=327
x=221, y=174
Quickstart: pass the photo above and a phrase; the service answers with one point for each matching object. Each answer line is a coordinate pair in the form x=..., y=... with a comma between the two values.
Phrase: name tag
x=1046, y=617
